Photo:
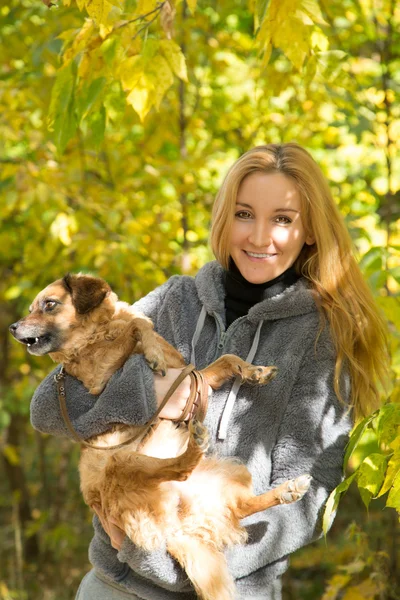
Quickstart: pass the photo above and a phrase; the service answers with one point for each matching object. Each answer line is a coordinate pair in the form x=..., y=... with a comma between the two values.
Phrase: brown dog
x=160, y=488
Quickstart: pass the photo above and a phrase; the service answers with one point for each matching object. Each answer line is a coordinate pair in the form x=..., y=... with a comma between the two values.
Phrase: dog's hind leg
x=205, y=566
x=286, y=493
x=134, y=465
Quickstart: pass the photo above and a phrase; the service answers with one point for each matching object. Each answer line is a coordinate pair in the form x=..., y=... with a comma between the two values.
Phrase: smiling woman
x=285, y=290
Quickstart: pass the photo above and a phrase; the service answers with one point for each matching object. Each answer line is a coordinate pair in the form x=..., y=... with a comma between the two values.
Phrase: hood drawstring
x=223, y=426
x=196, y=335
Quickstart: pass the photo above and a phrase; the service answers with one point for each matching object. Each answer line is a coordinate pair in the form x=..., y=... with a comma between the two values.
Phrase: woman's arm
x=157, y=566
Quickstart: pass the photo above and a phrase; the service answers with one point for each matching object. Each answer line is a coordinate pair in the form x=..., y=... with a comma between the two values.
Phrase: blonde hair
x=357, y=328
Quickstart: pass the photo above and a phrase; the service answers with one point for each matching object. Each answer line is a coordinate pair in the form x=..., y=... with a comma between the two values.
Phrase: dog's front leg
x=230, y=365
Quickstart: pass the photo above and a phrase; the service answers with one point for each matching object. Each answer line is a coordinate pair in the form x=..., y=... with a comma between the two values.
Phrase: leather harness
x=196, y=405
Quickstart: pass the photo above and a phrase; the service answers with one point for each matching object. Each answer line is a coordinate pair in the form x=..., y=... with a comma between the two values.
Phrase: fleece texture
x=291, y=426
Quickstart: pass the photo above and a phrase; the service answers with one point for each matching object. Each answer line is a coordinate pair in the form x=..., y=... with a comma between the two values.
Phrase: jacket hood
x=279, y=302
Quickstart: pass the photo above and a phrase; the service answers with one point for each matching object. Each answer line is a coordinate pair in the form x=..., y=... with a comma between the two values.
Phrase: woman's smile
x=258, y=256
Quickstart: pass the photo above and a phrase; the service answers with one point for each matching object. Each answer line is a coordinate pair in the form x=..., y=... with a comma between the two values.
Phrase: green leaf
x=372, y=260
x=95, y=127
x=388, y=422
x=393, y=469
x=89, y=96
x=355, y=438
x=370, y=476
x=391, y=307
x=333, y=502
x=395, y=273
x=393, y=500
x=61, y=118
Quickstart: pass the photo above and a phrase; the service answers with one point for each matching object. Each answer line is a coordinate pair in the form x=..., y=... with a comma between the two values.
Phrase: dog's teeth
x=28, y=344
x=36, y=340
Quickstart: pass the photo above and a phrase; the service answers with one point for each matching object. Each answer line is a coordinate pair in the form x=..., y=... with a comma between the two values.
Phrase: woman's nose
x=260, y=235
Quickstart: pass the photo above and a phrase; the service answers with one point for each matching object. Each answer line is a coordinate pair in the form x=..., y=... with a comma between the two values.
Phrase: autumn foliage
x=118, y=121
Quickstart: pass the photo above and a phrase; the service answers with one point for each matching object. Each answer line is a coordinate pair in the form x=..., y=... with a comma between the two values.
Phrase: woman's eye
x=283, y=220
x=243, y=214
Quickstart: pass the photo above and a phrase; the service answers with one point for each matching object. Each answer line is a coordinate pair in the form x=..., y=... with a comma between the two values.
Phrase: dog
x=160, y=488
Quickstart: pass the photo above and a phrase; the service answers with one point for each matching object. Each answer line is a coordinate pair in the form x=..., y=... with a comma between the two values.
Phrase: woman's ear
x=310, y=240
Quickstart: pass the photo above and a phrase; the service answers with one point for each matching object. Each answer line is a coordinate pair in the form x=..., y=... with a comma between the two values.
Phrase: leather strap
x=196, y=405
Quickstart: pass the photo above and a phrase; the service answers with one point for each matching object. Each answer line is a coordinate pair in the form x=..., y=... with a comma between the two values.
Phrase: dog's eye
x=50, y=304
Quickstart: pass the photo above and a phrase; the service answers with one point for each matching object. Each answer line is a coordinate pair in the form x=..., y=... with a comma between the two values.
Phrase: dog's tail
x=205, y=566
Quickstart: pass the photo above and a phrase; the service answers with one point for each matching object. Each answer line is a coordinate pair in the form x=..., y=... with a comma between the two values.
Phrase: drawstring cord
x=197, y=332
x=223, y=426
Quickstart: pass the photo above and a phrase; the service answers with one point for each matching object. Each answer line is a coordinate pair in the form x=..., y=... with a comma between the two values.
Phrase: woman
x=286, y=291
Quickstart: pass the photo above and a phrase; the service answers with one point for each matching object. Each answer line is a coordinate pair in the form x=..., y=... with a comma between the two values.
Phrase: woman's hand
x=176, y=404
x=114, y=532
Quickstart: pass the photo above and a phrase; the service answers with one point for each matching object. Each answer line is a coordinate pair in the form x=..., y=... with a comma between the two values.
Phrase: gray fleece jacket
x=291, y=426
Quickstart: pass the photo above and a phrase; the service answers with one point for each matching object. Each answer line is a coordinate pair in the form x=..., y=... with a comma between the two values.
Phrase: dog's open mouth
x=35, y=343
x=31, y=341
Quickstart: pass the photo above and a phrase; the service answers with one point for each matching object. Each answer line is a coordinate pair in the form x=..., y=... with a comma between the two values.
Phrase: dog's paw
x=156, y=361
x=294, y=489
x=256, y=375
x=199, y=434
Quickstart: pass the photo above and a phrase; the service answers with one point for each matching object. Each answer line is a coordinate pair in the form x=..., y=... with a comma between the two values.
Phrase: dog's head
x=57, y=310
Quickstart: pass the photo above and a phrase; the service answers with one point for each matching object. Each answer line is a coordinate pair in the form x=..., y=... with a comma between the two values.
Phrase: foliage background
x=116, y=130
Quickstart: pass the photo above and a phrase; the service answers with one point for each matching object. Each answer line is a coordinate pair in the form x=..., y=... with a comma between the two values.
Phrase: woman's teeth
x=255, y=255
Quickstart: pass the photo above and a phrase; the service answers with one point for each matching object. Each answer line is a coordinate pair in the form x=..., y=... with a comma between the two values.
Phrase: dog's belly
x=168, y=441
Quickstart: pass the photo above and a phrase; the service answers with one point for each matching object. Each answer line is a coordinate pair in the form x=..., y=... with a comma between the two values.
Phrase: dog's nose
x=13, y=327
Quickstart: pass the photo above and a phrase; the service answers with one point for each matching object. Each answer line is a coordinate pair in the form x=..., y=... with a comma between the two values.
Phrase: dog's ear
x=86, y=291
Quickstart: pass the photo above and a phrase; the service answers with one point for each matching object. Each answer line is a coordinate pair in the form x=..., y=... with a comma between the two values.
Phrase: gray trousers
x=96, y=587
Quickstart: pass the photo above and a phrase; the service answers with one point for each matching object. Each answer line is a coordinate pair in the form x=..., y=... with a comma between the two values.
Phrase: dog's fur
x=161, y=488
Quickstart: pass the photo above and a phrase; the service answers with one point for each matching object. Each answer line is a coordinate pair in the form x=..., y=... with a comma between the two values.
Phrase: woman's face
x=267, y=233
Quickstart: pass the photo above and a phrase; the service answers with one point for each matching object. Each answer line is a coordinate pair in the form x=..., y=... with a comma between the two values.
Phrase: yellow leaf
x=84, y=66
x=98, y=10
x=313, y=9
x=336, y=585
x=192, y=4
x=63, y=227
x=175, y=58
x=353, y=594
x=81, y=4
x=146, y=6
x=11, y=454
x=130, y=71
x=289, y=25
x=164, y=77
x=142, y=96
x=319, y=40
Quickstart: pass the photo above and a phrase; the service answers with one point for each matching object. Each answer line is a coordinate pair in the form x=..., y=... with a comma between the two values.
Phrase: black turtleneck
x=241, y=295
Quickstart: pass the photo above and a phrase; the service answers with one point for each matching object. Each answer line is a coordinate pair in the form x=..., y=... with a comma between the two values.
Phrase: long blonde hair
x=357, y=328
